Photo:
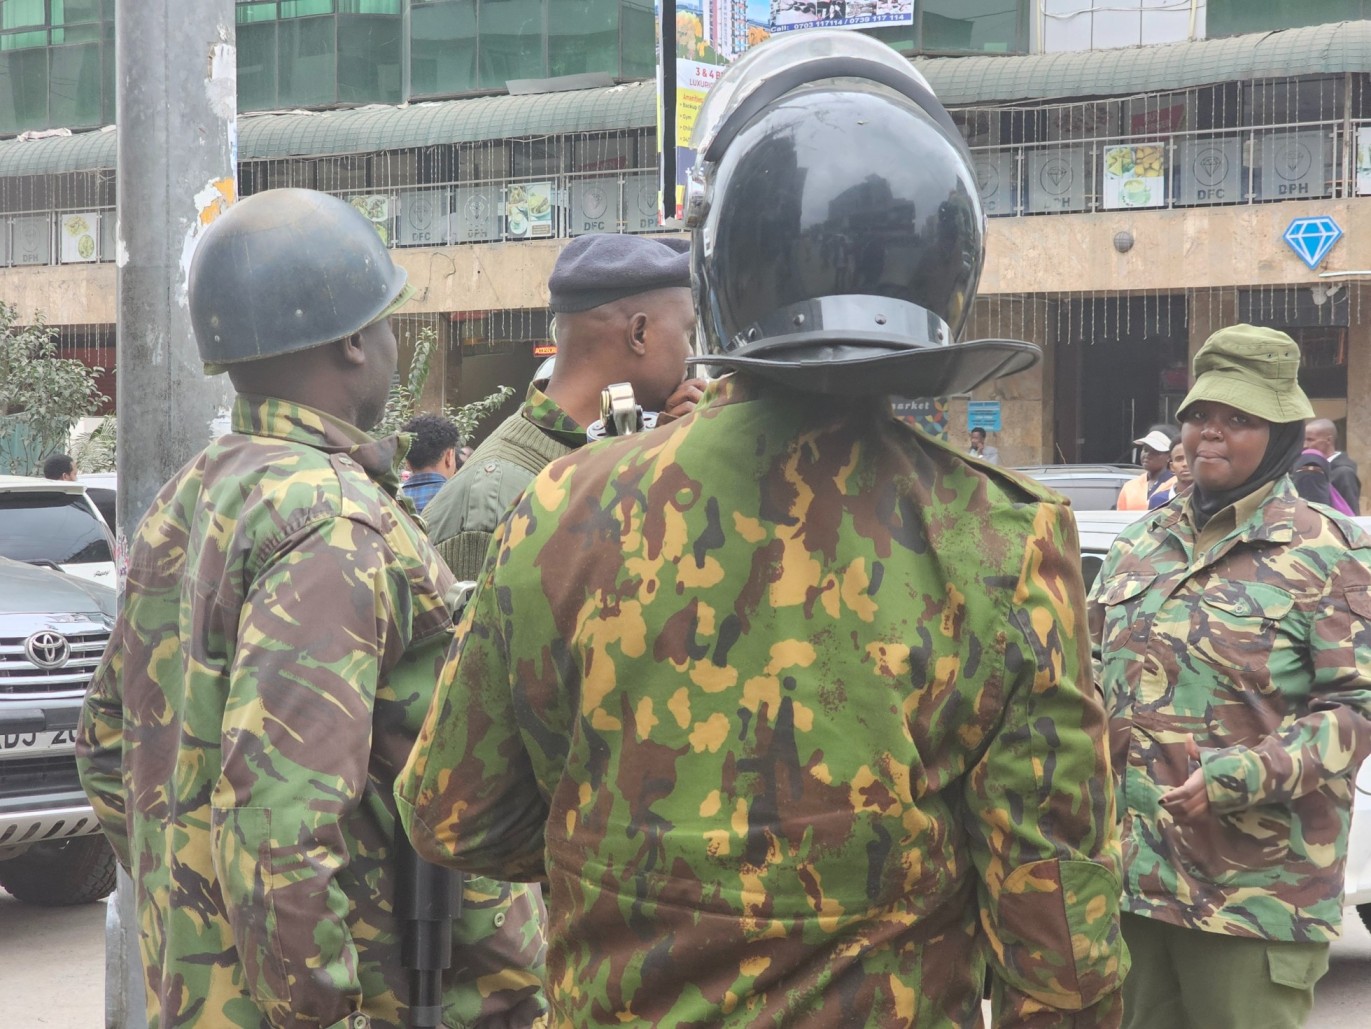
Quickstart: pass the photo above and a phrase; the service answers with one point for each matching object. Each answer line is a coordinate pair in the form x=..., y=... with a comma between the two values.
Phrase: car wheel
x=62, y=873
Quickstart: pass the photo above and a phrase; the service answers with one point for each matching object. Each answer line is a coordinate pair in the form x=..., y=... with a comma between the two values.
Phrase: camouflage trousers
x=1188, y=979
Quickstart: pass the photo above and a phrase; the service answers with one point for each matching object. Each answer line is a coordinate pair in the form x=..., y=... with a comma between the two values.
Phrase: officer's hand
x=683, y=401
x=1189, y=802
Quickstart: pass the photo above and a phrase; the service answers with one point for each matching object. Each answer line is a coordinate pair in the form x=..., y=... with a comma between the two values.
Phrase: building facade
x=1151, y=171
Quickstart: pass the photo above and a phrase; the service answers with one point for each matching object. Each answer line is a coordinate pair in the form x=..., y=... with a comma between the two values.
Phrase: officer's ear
x=350, y=350
x=637, y=333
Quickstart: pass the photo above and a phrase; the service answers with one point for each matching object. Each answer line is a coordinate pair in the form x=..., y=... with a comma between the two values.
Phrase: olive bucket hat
x=1253, y=369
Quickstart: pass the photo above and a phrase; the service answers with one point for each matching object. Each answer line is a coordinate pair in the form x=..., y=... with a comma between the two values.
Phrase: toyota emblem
x=47, y=649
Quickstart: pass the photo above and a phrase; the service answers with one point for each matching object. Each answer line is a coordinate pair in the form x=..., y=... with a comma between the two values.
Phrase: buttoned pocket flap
x=1359, y=601
x=1297, y=965
x=1249, y=600
x=1121, y=588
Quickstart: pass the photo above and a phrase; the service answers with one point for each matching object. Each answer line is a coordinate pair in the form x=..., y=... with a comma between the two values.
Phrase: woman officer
x=1233, y=634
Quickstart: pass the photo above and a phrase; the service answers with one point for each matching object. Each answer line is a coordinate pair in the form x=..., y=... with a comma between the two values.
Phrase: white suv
x=54, y=523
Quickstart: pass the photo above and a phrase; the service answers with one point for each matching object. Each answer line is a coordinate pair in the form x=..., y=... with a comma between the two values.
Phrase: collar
x=543, y=411
x=1264, y=515
x=295, y=423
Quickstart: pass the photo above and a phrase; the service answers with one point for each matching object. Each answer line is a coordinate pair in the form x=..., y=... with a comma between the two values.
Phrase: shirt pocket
x=1238, y=626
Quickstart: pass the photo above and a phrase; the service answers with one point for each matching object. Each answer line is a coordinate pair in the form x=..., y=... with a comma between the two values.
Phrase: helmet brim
x=847, y=370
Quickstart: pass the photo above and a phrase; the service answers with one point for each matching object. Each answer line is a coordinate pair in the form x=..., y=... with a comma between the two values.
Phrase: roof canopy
x=1317, y=50
x=365, y=130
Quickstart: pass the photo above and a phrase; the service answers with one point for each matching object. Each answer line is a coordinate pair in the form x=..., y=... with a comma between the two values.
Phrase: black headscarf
x=1283, y=446
x=1313, y=484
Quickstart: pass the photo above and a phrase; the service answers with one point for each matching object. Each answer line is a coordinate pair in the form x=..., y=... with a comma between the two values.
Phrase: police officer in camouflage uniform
x=623, y=313
x=789, y=702
x=1235, y=633
x=280, y=638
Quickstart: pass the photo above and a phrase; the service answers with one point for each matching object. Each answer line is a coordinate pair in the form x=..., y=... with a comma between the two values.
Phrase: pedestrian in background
x=980, y=449
x=60, y=467
x=1234, y=632
x=1180, y=482
x=623, y=313
x=432, y=456
x=1312, y=479
x=1322, y=435
x=789, y=702
x=1154, y=453
x=277, y=646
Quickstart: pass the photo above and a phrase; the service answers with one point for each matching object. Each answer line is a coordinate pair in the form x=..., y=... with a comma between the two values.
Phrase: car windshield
x=59, y=528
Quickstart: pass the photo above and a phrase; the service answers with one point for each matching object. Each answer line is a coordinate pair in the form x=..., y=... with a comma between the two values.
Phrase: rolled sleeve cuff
x=1232, y=778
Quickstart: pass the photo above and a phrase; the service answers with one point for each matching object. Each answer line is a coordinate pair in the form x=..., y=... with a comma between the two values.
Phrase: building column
x=1357, y=443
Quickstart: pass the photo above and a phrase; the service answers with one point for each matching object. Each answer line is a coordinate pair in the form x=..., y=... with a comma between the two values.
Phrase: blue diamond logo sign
x=1312, y=238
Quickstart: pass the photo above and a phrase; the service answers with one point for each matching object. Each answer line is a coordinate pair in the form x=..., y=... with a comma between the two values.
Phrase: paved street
x=51, y=970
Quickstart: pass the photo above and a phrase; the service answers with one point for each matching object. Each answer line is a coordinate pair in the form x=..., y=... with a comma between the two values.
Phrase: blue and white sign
x=983, y=414
x=1312, y=238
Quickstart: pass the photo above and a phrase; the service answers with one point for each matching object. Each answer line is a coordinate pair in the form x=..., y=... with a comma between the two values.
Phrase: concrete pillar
x=1358, y=441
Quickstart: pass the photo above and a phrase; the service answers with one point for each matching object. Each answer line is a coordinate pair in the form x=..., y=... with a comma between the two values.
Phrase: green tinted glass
x=368, y=6
x=583, y=37
x=638, y=59
x=23, y=40
x=511, y=43
x=369, y=59
x=305, y=8
x=974, y=26
x=23, y=90
x=246, y=14
x=74, y=86
x=443, y=48
x=22, y=14
x=306, y=62
x=75, y=12
x=1236, y=17
x=257, y=67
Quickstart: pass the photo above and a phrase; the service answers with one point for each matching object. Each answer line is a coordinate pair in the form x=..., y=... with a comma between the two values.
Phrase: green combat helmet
x=287, y=270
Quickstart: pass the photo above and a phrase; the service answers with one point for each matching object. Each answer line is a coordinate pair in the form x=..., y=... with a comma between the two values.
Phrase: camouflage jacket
x=790, y=704
x=464, y=513
x=280, y=638
x=1256, y=640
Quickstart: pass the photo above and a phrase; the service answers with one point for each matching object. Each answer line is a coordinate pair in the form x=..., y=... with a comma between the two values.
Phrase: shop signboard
x=640, y=204
x=595, y=205
x=78, y=237
x=31, y=240
x=983, y=414
x=1293, y=165
x=475, y=214
x=995, y=180
x=376, y=208
x=927, y=414
x=423, y=218
x=708, y=34
x=1056, y=180
x=528, y=210
x=1364, y=160
x=1210, y=171
x=1134, y=176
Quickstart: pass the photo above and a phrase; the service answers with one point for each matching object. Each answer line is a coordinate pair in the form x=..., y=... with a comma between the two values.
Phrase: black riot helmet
x=838, y=236
x=287, y=270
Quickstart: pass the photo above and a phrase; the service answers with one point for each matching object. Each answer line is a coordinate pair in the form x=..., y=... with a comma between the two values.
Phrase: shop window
x=973, y=26
x=369, y=59
x=257, y=66
x=305, y=8
x=583, y=36
x=23, y=90
x=74, y=86
x=536, y=156
x=22, y=14
x=638, y=40
x=511, y=44
x=443, y=48
x=307, y=62
x=1236, y=17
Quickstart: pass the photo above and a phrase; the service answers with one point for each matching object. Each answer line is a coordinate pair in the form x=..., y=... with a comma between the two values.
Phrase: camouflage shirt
x=790, y=705
x=1255, y=637
x=280, y=638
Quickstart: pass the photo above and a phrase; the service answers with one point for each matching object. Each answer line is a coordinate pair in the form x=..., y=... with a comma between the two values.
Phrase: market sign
x=1293, y=165
x=1056, y=180
x=1312, y=238
x=995, y=180
x=1210, y=171
x=983, y=414
x=423, y=218
x=475, y=214
x=1134, y=176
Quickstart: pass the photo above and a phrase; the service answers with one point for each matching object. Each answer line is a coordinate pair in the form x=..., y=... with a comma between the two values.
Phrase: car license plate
x=37, y=742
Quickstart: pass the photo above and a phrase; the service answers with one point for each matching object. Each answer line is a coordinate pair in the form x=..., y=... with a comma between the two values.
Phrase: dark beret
x=603, y=267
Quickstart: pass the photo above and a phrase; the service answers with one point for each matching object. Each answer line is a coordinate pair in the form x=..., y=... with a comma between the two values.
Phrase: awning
x=366, y=130
x=1344, y=47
